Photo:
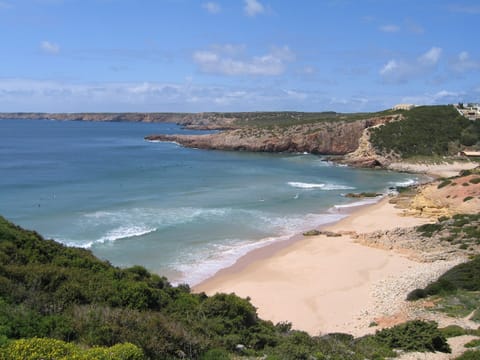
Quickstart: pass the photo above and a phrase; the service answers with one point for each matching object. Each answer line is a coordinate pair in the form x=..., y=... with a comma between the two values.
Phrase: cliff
x=333, y=137
x=205, y=121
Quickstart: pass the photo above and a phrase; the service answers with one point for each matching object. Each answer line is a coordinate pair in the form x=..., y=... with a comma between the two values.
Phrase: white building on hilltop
x=470, y=111
x=403, y=107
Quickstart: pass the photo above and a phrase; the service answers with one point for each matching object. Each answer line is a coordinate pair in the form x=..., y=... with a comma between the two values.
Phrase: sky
x=236, y=55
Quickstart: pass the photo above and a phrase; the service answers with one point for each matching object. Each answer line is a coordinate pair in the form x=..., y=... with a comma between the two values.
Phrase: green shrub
x=475, y=180
x=473, y=344
x=453, y=331
x=52, y=349
x=469, y=355
x=428, y=229
x=444, y=183
x=425, y=131
x=414, y=336
x=417, y=294
x=468, y=198
x=464, y=276
x=216, y=354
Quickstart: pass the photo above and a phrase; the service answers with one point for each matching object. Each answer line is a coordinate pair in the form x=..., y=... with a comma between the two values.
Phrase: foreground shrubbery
x=43, y=349
x=427, y=131
x=54, y=297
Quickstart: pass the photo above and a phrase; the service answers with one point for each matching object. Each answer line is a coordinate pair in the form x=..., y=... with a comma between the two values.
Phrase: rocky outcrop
x=447, y=197
x=326, y=137
x=366, y=155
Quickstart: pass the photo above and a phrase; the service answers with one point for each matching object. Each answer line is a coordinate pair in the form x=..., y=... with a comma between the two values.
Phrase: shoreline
x=267, y=251
x=311, y=281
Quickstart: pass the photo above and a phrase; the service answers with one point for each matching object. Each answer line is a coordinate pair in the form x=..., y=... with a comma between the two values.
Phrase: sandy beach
x=327, y=284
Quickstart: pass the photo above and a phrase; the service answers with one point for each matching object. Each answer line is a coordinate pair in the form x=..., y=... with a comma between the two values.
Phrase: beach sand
x=330, y=284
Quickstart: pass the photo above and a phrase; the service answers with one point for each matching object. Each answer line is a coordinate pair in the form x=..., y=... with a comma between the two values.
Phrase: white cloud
x=49, y=47
x=440, y=97
x=431, y=57
x=390, y=28
x=389, y=67
x=463, y=63
x=253, y=7
x=400, y=71
x=307, y=70
x=57, y=96
x=296, y=94
x=212, y=7
x=226, y=62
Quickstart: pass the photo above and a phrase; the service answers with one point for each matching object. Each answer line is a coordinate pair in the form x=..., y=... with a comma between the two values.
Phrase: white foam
x=125, y=232
x=405, y=183
x=163, y=141
x=199, y=266
x=357, y=203
x=337, y=187
x=321, y=186
x=305, y=185
x=219, y=256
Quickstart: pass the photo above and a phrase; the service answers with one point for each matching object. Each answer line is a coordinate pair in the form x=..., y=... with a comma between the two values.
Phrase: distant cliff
x=337, y=137
x=326, y=133
x=205, y=121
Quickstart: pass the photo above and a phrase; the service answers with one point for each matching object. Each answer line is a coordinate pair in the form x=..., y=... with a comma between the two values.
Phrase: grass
x=459, y=304
x=281, y=119
x=444, y=183
x=473, y=344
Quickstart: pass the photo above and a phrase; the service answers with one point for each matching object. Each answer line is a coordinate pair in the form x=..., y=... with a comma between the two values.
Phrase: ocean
x=183, y=213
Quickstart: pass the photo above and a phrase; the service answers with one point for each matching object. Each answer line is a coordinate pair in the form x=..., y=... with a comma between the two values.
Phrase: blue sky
x=237, y=55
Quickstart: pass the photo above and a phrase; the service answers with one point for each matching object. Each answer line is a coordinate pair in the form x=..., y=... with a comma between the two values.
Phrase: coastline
x=311, y=281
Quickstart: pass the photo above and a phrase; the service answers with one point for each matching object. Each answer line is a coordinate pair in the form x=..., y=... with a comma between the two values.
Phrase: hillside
x=49, y=291
x=427, y=131
x=318, y=136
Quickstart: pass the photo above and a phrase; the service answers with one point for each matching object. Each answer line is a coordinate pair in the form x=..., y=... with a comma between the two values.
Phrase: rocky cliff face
x=328, y=137
x=365, y=155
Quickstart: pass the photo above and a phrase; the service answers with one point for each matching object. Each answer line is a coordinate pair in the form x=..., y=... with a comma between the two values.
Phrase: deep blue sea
x=183, y=213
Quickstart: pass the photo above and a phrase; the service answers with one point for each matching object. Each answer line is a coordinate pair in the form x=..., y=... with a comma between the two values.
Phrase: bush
x=46, y=349
x=216, y=354
x=473, y=344
x=414, y=336
x=417, y=294
x=425, y=131
x=470, y=355
x=453, y=331
x=428, y=229
x=444, y=183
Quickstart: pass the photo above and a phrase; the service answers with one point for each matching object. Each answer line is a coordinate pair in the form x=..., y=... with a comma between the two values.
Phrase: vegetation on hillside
x=457, y=292
x=291, y=118
x=427, y=131
x=64, y=301
x=461, y=229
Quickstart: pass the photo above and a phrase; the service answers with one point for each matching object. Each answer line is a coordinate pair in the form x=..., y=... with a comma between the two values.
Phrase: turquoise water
x=180, y=212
